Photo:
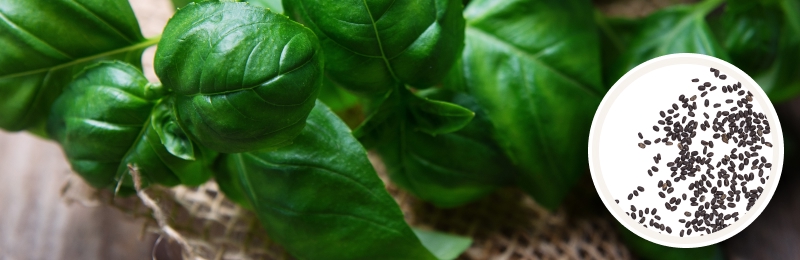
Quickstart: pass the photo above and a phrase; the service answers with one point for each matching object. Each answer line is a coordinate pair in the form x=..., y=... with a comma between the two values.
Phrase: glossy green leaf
x=443, y=246
x=102, y=121
x=651, y=251
x=181, y=3
x=46, y=42
x=616, y=35
x=172, y=136
x=762, y=41
x=230, y=185
x=781, y=81
x=244, y=77
x=437, y=117
x=377, y=45
x=532, y=66
x=335, y=97
x=321, y=199
x=750, y=33
x=274, y=5
x=447, y=170
x=677, y=29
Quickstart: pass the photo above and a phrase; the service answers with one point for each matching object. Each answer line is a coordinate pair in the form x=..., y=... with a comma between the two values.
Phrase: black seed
x=675, y=106
x=681, y=232
x=717, y=105
x=635, y=193
x=655, y=169
x=723, y=76
x=695, y=80
x=617, y=201
x=662, y=113
x=640, y=135
x=707, y=84
x=647, y=142
x=729, y=101
x=633, y=208
x=655, y=128
x=630, y=196
x=661, y=194
x=640, y=188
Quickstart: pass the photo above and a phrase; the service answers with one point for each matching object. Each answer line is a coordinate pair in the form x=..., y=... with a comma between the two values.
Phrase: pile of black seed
x=733, y=179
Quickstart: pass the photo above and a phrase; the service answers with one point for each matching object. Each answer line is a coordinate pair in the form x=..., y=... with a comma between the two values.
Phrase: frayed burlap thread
x=201, y=223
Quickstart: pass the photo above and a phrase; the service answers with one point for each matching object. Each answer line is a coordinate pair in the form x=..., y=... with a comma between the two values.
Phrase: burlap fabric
x=202, y=224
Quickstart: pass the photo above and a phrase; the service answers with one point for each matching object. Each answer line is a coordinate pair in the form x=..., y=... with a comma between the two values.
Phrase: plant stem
x=141, y=45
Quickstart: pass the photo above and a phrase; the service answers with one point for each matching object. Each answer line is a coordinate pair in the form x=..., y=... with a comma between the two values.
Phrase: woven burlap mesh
x=203, y=224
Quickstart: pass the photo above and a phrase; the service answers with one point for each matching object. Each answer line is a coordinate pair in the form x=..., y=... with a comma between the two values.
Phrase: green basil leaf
x=750, y=33
x=780, y=81
x=335, y=97
x=244, y=78
x=230, y=185
x=322, y=191
x=762, y=41
x=438, y=117
x=677, y=29
x=102, y=121
x=616, y=35
x=170, y=133
x=274, y=5
x=178, y=4
x=532, y=66
x=447, y=170
x=46, y=42
x=791, y=9
x=377, y=45
x=443, y=246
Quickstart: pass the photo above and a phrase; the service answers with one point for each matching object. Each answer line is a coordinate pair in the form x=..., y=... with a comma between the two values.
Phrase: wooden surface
x=38, y=223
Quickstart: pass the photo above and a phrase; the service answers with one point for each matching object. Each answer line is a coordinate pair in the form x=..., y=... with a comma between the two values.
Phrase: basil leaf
x=274, y=5
x=762, y=41
x=336, y=98
x=532, y=66
x=677, y=29
x=750, y=33
x=780, y=81
x=443, y=246
x=616, y=35
x=169, y=132
x=244, y=78
x=322, y=191
x=436, y=117
x=230, y=185
x=178, y=4
x=102, y=121
x=447, y=170
x=378, y=45
x=46, y=42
